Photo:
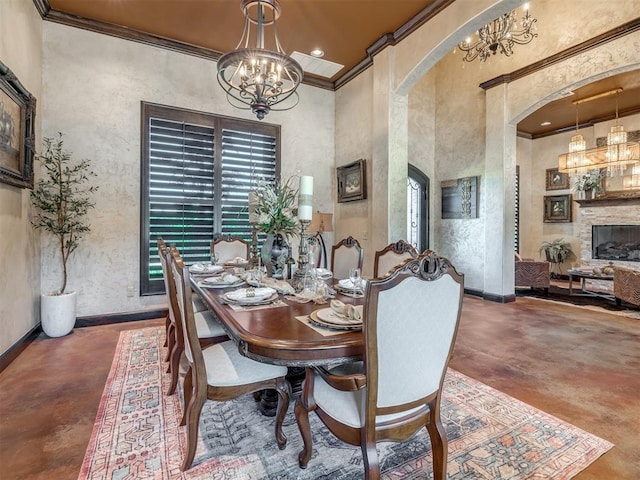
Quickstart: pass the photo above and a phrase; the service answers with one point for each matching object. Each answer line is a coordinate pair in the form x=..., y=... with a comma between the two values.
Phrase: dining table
x=278, y=334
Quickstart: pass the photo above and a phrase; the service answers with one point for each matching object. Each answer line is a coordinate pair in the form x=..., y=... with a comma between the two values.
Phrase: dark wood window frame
x=234, y=164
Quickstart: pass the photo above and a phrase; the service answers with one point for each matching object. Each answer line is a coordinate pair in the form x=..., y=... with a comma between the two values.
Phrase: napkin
x=281, y=286
x=236, y=261
x=348, y=284
x=258, y=294
x=347, y=310
x=204, y=268
x=226, y=278
x=323, y=273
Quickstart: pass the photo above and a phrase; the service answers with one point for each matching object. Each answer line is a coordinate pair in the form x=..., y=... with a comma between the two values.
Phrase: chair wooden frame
x=196, y=385
x=410, y=416
x=401, y=248
x=175, y=335
x=348, y=242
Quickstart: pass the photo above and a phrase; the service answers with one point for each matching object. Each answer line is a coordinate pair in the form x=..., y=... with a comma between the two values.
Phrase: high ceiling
x=343, y=29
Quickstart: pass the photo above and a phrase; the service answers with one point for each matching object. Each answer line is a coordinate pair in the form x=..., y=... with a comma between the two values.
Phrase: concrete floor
x=579, y=365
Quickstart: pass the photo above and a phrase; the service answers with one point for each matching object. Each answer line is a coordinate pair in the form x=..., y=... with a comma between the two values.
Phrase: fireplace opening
x=616, y=242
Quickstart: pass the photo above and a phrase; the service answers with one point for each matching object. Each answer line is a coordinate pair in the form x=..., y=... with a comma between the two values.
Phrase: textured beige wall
x=463, y=143
x=21, y=51
x=93, y=86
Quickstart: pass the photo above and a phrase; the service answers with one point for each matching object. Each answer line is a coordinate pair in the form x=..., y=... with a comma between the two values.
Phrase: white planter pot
x=58, y=313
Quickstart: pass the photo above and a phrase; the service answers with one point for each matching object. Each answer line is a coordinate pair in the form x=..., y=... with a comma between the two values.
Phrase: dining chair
x=230, y=247
x=391, y=256
x=218, y=372
x=209, y=329
x=410, y=321
x=345, y=255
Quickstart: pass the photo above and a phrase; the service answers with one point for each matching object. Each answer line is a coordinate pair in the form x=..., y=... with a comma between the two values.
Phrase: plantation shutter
x=246, y=157
x=197, y=170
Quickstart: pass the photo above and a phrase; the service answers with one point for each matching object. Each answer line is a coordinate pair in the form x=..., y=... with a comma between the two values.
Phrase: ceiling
x=343, y=29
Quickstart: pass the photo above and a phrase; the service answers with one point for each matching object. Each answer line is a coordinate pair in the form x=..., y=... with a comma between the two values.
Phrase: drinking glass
x=356, y=279
x=214, y=258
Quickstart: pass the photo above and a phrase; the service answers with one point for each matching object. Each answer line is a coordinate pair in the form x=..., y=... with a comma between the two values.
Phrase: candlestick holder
x=254, y=261
x=302, y=271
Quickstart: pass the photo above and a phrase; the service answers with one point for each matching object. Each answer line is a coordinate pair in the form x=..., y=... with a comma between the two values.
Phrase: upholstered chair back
x=391, y=256
x=345, y=255
x=411, y=320
x=229, y=248
x=192, y=348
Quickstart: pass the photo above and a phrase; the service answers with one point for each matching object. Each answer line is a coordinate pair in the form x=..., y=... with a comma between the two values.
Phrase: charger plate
x=313, y=318
x=328, y=315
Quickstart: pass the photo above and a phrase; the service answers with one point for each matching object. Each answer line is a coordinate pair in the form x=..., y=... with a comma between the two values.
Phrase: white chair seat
x=197, y=304
x=207, y=325
x=347, y=407
x=226, y=367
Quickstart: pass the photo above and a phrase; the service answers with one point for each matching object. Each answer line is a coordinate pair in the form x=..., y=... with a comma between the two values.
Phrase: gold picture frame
x=352, y=181
x=557, y=209
x=557, y=180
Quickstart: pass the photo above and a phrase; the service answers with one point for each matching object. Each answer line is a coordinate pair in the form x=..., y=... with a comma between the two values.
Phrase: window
x=197, y=170
x=417, y=209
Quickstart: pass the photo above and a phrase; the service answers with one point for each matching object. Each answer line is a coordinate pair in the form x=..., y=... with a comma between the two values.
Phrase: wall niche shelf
x=612, y=199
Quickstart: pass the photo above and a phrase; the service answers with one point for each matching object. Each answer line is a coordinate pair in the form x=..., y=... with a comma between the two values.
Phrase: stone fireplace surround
x=624, y=211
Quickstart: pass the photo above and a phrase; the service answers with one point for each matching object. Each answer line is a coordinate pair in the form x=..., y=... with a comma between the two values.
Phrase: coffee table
x=584, y=275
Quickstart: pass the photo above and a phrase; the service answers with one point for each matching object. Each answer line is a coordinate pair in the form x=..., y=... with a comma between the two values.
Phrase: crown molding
x=47, y=13
x=608, y=36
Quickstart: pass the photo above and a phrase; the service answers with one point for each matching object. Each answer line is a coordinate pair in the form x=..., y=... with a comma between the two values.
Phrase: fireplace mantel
x=631, y=198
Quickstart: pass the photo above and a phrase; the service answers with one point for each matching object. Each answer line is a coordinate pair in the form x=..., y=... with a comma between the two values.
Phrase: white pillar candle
x=306, y=185
x=305, y=197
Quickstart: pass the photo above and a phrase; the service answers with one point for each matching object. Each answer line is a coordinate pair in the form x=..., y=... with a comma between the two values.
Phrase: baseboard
x=107, y=319
x=17, y=348
x=492, y=297
x=473, y=292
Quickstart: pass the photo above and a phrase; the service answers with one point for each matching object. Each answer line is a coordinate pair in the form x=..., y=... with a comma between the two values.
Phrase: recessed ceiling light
x=544, y=124
x=317, y=53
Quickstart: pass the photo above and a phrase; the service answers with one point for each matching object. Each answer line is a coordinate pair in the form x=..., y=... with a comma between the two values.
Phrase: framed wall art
x=557, y=209
x=352, y=181
x=17, y=131
x=460, y=198
x=557, y=180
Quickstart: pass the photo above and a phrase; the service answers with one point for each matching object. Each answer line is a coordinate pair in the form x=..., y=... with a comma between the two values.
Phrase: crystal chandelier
x=615, y=156
x=500, y=36
x=618, y=151
x=257, y=78
x=576, y=160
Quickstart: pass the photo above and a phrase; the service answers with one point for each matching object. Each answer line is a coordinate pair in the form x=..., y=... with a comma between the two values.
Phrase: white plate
x=205, y=268
x=328, y=315
x=248, y=301
x=260, y=293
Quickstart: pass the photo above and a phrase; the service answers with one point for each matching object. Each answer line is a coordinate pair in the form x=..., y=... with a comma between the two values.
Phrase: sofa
x=626, y=286
x=529, y=273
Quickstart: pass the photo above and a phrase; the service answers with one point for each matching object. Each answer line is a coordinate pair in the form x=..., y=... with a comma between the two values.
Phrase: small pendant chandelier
x=256, y=78
x=618, y=152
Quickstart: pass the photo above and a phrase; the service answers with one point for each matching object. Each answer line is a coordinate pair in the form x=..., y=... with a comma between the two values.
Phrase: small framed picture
x=352, y=182
x=17, y=131
x=557, y=180
x=557, y=209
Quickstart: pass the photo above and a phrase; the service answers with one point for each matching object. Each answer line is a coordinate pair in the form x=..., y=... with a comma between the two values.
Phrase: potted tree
x=62, y=199
x=556, y=252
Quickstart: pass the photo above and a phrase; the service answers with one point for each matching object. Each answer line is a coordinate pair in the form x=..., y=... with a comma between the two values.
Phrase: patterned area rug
x=491, y=435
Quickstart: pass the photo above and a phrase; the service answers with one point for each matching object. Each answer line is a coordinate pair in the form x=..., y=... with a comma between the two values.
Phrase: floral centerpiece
x=590, y=181
x=275, y=212
x=275, y=208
